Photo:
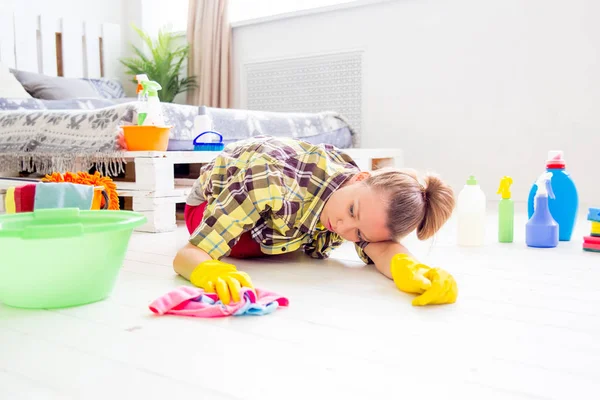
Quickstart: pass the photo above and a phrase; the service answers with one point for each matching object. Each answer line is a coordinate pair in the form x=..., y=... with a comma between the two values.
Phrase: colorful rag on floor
x=63, y=195
x=35, y=196
x=195, y=302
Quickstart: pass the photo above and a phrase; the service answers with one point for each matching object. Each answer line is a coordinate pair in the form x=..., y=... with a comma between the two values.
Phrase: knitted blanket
x=39, y=135
x=61, y=140
x=234, y=124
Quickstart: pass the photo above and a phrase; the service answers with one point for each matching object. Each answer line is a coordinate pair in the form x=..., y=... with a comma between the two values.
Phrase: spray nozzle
x=140, y=78
x=504, y=188
x=151, y=88
x=544, y=186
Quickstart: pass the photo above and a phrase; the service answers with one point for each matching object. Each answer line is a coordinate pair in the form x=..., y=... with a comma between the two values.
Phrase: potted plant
x=163, y=64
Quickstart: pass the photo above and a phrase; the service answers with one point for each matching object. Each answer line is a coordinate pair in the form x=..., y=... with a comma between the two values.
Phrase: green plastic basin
x=66, y=257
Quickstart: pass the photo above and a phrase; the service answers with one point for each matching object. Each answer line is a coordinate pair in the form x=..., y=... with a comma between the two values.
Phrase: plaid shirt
x=274, y=187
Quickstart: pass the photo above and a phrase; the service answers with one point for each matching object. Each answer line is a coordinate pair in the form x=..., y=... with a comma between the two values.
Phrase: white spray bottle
x=142, y=99
x=155, y=116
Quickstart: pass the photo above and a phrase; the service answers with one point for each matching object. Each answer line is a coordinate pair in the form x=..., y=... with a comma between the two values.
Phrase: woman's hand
x=434, y=285
x=221, y=278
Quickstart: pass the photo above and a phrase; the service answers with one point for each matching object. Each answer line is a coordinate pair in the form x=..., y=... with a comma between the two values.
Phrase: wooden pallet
x=151, y=187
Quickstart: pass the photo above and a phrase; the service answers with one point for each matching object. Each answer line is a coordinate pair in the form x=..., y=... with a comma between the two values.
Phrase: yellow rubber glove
x=434, y=285
x=224, y=279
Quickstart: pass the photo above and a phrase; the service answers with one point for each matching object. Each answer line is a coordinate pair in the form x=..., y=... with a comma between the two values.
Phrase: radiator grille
x=331, y=82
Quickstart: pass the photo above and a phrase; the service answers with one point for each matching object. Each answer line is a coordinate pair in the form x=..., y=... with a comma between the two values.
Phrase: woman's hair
x=424, y=205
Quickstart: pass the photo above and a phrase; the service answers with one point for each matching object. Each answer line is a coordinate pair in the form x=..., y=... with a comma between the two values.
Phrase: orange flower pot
x=146, y=137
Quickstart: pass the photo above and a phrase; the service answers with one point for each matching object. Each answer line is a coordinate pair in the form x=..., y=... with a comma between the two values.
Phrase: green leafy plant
x=162, y=63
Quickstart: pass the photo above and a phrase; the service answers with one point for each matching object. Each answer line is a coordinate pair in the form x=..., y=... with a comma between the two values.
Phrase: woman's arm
x=188, y=258
x=382, y=252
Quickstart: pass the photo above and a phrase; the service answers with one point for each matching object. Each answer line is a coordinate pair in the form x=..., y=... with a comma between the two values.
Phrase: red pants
x=246, y=247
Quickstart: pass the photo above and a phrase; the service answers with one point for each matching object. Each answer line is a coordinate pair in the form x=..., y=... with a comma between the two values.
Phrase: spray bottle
x=142, y=99
x=154, y=115
x=506, y=212
x=541, y=229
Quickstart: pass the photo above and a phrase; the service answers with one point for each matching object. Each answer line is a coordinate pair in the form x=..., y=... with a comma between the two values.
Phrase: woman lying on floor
x=271, y=196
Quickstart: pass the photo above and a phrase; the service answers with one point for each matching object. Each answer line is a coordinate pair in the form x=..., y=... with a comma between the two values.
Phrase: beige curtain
x=209, y=36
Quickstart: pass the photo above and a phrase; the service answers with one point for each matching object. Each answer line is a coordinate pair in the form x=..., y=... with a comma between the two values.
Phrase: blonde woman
x=269, y=196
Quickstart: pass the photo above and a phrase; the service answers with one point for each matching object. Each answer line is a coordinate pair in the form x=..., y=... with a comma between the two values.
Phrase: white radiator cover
x=326, y=82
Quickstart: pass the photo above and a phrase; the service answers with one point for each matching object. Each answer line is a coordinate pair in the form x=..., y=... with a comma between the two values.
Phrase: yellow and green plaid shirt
x=274, y=187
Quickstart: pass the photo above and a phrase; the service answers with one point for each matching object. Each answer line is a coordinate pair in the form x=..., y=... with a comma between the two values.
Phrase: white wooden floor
x=526, y=326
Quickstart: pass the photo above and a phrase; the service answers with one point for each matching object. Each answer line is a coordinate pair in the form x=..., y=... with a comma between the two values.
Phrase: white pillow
x=9, y=85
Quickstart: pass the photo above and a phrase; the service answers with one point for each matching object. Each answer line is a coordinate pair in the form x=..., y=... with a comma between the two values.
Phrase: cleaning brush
x=210, y=145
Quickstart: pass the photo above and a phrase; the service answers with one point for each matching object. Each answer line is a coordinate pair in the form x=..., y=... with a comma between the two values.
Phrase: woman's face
x=356, y=212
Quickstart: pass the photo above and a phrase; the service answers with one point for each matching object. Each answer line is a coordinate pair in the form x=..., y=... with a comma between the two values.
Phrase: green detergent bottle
x=506, y=212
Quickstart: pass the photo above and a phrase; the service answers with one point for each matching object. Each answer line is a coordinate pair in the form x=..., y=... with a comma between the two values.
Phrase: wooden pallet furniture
x=151, y=187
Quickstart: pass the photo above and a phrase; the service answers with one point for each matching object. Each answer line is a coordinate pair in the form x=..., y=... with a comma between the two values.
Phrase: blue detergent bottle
x=541, y=229
x=565, y=205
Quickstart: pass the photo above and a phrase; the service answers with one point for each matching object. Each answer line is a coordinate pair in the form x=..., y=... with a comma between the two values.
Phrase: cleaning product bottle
x=506, y=212
x=541, y=229
x=565, y=206
x=142, y=99
x=471, y=214
x=154, y=116
x=202, y=122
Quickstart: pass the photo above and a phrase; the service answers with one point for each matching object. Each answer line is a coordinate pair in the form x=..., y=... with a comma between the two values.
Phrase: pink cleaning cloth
x=195, y=302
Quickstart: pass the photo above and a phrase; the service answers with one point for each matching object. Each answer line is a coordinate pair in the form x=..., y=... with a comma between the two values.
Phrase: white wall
x=464, y=86
x=150, y=16
x=105, y=11
x=243, y=10
x=100, y=11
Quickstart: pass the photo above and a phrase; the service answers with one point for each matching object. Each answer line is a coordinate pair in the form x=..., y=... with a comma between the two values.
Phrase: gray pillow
x=107, y=88
x=54, y=87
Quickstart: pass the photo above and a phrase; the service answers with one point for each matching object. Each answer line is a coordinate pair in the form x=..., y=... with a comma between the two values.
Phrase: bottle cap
x=504, y=188
x=555, y=159
x=471, y=181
